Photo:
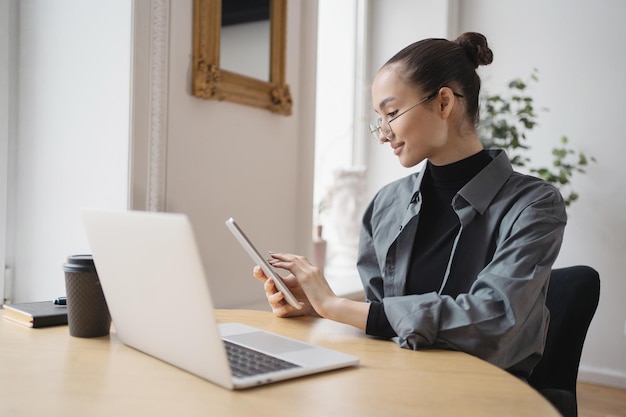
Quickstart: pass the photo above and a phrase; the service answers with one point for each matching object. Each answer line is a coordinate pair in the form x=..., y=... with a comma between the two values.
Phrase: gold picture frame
x=213, y=83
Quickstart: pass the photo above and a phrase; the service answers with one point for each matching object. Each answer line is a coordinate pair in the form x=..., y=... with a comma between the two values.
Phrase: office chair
x=573, y=295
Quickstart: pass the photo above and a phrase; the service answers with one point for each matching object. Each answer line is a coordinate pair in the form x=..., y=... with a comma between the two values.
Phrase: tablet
x=260, y=261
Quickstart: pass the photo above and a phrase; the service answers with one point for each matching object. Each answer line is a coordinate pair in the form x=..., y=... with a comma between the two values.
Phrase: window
x=340, y=132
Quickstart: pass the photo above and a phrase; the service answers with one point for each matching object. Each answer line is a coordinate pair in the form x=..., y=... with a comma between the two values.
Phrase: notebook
x=159, y=298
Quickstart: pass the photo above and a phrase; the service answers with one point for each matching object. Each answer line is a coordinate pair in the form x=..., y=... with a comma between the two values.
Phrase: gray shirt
x=516, y=224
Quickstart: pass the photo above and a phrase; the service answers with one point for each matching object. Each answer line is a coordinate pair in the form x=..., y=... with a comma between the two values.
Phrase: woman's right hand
x=275, y=298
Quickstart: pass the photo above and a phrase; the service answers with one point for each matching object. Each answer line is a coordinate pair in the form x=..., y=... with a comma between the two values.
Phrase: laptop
x=160, y=302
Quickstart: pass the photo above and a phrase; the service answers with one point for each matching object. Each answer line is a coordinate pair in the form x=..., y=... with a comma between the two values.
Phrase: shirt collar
x=480, y=190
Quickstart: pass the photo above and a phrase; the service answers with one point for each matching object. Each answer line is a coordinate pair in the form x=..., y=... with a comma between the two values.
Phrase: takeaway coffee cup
x=87, y=311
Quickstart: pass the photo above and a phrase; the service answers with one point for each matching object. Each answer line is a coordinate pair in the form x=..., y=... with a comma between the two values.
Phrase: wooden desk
x=46, y=372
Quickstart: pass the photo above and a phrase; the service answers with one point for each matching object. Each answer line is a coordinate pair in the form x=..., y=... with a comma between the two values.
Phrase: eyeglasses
x=384, y=126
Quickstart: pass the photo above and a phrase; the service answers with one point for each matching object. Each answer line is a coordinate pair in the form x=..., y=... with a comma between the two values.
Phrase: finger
x=283, y=259
x=258, y=273
x=293, y=263
x=276, y=299
x=282, y=263
x=282, y=309
x=270, y=287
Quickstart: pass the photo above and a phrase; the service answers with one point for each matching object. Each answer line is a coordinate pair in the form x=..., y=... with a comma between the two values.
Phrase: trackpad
x=267, y=342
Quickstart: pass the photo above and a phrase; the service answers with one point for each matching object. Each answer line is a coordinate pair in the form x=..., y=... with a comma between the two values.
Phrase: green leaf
x=505, y=122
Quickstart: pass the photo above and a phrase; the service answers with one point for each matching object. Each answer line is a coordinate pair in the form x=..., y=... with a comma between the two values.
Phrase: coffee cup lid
x=79, y=263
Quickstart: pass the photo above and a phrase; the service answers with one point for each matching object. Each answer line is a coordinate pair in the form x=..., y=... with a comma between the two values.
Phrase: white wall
x=579, y=48
x=394, y=25
x=8, y=37
x=226, y=159
x=72, y=126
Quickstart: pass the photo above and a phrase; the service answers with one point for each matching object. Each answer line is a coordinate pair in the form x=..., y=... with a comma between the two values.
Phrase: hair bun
x=476, y=48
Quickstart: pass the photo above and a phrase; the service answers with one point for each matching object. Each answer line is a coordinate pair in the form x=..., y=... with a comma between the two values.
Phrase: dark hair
x=434, y=63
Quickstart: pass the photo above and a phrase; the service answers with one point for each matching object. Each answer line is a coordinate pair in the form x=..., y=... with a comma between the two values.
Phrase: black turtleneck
x=438, y=223
x=436, y=230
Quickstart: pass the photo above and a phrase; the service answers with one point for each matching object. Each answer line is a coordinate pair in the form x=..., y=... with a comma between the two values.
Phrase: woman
x=457, y=256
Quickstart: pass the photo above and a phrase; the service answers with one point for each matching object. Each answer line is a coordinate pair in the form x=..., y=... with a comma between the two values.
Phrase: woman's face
x=418, y=134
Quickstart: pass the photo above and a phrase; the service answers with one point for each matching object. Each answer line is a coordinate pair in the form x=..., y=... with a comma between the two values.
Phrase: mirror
x=212, y=82
x=245, y=38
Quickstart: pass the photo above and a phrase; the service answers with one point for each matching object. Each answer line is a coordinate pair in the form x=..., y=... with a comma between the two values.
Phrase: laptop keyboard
x=247, y=362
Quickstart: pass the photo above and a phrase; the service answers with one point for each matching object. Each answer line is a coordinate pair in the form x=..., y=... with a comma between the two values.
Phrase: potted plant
x=505, y=121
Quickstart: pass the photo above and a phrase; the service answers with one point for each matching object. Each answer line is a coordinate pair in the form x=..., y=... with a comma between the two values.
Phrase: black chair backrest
x=573, y=295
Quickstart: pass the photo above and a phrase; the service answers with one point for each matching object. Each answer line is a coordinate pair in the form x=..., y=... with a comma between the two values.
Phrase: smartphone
x=262, y=262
